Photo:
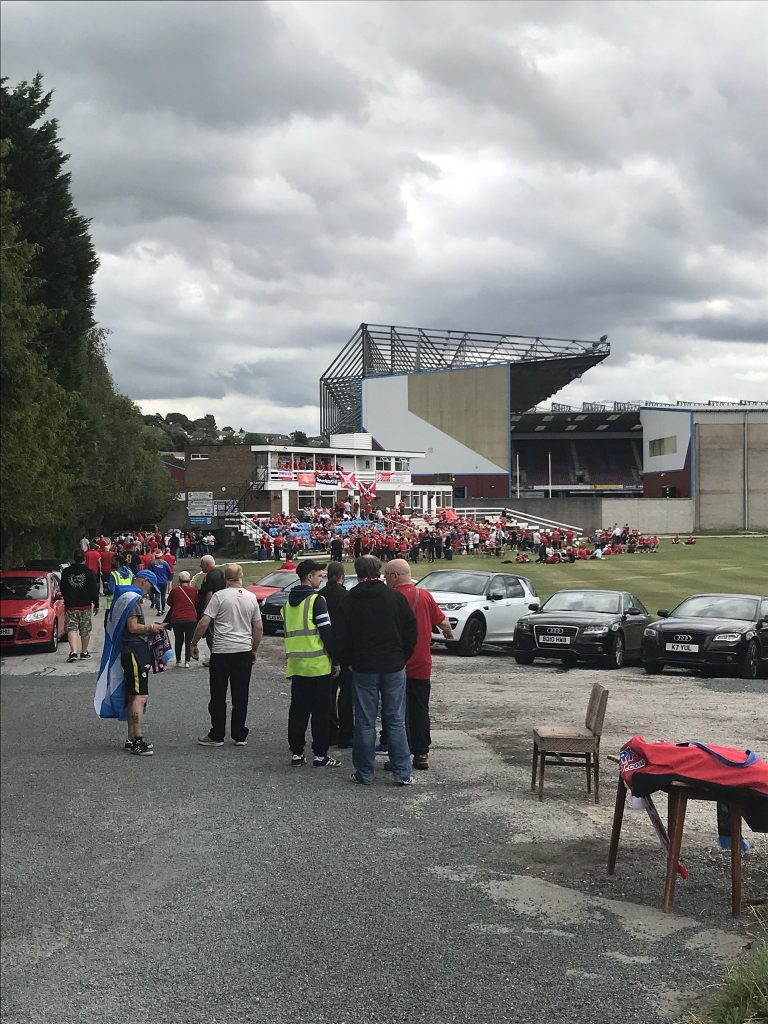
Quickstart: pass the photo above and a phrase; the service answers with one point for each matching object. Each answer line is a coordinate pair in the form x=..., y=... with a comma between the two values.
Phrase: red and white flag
x=347, y=480
x=367, y=491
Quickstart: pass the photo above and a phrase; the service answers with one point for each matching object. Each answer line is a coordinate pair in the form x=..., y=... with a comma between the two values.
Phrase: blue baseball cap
x=149, y=576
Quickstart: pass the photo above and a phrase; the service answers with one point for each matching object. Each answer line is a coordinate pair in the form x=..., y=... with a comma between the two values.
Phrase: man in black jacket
x=342, y=718
x=375, y=635
x=80, y=590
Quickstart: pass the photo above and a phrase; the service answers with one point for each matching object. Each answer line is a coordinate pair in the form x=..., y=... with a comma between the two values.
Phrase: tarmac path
x=222, y=885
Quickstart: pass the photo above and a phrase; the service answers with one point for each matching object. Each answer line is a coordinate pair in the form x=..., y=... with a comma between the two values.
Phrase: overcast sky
x=262, y=177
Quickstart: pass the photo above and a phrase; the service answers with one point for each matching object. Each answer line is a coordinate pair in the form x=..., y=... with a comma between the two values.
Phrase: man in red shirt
x=93, y=560
x=418, y=668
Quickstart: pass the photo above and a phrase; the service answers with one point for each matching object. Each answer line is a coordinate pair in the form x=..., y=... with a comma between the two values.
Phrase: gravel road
x=217, y=885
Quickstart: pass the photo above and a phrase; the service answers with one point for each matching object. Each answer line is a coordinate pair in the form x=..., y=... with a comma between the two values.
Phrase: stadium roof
x=542, y=365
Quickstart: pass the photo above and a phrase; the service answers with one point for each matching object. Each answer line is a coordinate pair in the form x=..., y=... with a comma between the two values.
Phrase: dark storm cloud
x=263, y=177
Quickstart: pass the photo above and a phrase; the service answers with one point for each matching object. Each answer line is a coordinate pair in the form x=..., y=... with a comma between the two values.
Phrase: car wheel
x=471, y=642
x=615, y=658
x=749, y=667
x=53, y=645
x=653, y=668
x=524, y=659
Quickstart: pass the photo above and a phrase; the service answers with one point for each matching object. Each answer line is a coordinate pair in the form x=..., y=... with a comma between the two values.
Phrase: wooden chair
x=569, y=746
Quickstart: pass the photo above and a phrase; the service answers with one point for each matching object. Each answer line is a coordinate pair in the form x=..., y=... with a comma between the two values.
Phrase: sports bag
x=648, y=767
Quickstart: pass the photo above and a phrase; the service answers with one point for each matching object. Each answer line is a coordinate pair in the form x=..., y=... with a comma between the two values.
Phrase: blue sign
x=201, y=520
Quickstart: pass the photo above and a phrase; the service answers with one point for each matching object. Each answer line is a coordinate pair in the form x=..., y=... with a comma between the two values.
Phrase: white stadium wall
x=459, y=418
x=673, y=426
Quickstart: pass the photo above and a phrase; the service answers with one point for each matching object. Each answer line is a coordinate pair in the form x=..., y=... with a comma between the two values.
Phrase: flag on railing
x=367, y=491
x=347, y=480
x=326, y=478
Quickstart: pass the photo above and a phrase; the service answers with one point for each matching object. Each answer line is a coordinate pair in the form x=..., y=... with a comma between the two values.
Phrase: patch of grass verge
x=743, y=996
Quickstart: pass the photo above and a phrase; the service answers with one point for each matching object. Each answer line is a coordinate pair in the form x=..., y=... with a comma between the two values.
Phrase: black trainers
x=72, y=657
x=297, y=760
x=206, y=741
x=421, y=762
x=85, y=655
x=325, y=762
x=128, y=745
x=240, y=743
x=142, y=748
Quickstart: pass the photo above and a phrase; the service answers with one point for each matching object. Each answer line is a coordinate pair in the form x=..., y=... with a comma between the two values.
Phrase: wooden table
x=679, y=794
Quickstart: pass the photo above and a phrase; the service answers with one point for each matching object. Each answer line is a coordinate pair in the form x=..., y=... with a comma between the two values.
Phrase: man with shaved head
x=418, y=668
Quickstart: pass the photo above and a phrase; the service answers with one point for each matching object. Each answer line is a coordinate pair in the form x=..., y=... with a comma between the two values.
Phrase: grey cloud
x=262, y=177
x=221, y=64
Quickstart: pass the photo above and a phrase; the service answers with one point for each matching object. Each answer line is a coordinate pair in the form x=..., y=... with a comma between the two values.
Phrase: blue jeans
x=366, y=687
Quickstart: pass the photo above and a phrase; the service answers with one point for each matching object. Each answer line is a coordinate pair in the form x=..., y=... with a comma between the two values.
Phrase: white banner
x=200, y=503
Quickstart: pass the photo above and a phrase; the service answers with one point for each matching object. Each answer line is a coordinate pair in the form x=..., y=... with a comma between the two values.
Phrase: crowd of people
x=389, y=533
x=347, y=654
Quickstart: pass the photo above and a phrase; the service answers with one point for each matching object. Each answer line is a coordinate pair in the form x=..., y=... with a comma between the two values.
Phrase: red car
x=270, y=584
x=31, y=609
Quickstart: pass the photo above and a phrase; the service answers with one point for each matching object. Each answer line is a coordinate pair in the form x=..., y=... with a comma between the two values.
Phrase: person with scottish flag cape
x=122, y=686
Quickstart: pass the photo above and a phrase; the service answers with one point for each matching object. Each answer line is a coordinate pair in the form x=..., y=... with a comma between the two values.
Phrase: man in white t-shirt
x=237, y=631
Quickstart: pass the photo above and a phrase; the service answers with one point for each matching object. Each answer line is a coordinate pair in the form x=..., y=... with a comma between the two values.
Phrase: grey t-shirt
x=137, y=643
x=234, y=611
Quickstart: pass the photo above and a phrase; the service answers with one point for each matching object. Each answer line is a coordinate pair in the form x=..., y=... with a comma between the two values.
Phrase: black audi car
x=589, y=625
x=717, y=633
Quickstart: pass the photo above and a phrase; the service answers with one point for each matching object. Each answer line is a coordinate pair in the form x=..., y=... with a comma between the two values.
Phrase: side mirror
x=57, y=596
x=533, y=607
x=495, y=597
x=634, y=611
x=663, y=613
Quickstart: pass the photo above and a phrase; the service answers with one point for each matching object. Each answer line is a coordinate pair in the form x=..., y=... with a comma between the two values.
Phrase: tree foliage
x=76, y=453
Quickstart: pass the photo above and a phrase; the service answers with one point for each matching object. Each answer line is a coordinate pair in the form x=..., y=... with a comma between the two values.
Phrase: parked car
x=712, y=632
x=31, y=609
x=482, y=607
x=592, y=625
x=46, y=564
x=272, y=583
x=270, y=608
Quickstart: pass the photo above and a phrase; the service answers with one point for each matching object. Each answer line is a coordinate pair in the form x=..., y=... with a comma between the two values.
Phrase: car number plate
x=6, y=632
x=274, y=618
x=683, y=648
x=554, y=639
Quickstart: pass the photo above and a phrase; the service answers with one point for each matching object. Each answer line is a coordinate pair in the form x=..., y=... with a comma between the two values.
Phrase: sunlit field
x=730, y=565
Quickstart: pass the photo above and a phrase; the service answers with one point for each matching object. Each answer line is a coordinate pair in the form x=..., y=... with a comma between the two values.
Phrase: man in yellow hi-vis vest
x=309, y=666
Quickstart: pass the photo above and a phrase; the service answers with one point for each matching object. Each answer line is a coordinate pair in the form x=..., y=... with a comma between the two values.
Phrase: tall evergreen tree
x=65, y=261
x=75, y=452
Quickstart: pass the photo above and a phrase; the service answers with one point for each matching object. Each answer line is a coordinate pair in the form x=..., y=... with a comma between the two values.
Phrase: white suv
x=482, y=607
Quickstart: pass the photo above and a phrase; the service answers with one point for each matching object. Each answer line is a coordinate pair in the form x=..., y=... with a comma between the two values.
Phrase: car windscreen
x=583, y=601
x=713, y=606
x=281, y=579
x=32, y=588
x=470, y=583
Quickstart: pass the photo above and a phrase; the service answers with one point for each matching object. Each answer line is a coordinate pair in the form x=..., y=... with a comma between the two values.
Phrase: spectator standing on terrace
x=418, y=668
x=376, y=635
